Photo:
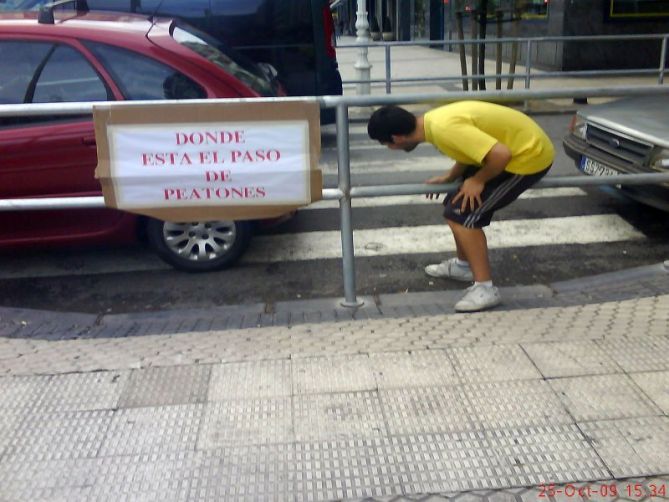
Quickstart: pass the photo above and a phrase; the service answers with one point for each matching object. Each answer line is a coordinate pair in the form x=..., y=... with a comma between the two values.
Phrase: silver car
x=622, y=137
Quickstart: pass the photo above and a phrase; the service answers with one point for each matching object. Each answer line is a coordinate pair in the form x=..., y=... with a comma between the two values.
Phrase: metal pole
x=387, y=69
x=528, y=69
x=358, y=192
x=475, y=49
x=528, y=63
x=483, y=26
x=663, y=57
x=362, y=66
x=344, y=171
x=498, y=51
x=463, y=56
x=514, y=48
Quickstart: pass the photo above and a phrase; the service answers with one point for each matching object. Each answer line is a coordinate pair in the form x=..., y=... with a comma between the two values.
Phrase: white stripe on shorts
x=493, y=198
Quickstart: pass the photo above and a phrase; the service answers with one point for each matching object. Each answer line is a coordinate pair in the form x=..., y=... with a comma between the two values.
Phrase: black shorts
x=498, y=192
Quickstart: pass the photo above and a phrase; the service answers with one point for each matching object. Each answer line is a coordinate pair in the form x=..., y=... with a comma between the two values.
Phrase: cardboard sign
x=209, y=161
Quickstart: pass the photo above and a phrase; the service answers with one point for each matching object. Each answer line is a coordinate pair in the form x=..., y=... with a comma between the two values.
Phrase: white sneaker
x=451, y=270
x=479, y=297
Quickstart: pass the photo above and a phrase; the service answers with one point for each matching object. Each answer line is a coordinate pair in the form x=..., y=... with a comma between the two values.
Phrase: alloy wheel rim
x=200, y=241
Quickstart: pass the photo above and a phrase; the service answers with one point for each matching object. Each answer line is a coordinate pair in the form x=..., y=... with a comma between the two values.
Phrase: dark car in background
x=296, y=37
x=80, y=57
x=627, y=136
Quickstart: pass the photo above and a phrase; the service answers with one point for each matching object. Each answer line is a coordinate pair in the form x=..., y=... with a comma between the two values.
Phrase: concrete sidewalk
x=561, y=394
x=424, y=62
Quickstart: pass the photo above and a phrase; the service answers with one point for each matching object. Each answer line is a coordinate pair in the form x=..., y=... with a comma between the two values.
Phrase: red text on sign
x=210, y=137
x=214, y=193
x=255, y=156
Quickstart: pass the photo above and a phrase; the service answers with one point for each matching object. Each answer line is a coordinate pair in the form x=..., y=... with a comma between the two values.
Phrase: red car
x=59, y=56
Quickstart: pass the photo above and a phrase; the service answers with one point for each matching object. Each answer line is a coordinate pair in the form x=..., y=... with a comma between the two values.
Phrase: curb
x=640, y=282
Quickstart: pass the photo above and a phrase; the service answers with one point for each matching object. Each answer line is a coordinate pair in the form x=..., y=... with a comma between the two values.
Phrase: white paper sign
x=210, y=164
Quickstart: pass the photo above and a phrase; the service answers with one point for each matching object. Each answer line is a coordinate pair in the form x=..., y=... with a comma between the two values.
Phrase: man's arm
x=456, y=172
x=494, y=163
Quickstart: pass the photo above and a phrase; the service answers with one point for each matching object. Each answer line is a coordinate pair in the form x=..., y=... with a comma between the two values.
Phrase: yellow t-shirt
x=466, y=131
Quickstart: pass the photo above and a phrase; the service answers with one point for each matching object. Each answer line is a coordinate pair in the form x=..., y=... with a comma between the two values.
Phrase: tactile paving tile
x=338, y=416
x=656, y=387
x=495, y=459
x=519, y=403
x=555, y=453
x=10, y=420
x=603, y=397
x=28, y=493
x=425, y=409
x=21, y=392
x=135, y=431
x=443, y=462
x=250, y=380
x=62, y=435
x=246, y=422
x=20, y=476
x=83, y=391
x=492, y=363
x=638, y=354
x=412, y=369
x=257, y=472
x=320, y=375
x=561, y=359
x=164, y=476
x=354, y=468
x=631, y=447
x=162, y=386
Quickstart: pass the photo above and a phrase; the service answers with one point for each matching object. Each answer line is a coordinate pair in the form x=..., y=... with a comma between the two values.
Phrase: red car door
x=52, y=156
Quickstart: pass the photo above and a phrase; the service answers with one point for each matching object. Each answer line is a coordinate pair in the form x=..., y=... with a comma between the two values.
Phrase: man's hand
x=438, y=180
x=470, y=193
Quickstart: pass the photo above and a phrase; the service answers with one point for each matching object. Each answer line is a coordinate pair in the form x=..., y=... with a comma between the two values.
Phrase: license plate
x=594, y=168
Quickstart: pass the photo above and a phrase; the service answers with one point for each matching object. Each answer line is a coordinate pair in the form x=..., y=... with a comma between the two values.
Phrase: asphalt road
x=555, y=235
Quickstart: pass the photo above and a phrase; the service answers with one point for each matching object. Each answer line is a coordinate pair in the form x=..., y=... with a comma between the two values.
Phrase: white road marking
x=327, y=244
x=405, y=200
x=437, y=238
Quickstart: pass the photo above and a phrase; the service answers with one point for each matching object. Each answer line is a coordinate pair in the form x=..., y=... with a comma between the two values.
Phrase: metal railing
x=345, y=191
x=528, y=43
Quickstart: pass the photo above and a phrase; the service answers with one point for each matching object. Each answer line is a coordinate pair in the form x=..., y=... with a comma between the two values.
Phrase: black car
x=296, y=37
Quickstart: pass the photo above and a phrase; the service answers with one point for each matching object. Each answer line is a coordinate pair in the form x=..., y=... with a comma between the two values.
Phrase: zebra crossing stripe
x=437, y=238
x=401, y=200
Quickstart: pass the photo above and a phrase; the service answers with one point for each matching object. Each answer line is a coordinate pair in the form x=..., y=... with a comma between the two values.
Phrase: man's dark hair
x=389, y=120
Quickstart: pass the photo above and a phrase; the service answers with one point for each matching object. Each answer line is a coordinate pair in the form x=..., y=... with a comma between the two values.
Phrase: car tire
x=199, y=246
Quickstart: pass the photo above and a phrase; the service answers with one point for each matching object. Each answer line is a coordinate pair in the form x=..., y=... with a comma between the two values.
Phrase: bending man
x=499, y=153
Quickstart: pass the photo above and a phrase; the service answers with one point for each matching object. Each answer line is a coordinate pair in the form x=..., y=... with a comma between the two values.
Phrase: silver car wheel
x=200, y=241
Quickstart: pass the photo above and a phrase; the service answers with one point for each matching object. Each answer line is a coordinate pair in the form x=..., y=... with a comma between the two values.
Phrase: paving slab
x=603, y=397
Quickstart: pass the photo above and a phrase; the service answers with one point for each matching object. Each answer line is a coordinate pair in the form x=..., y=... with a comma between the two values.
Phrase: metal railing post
x=663, y=57
x=528, y=71
x=387, y=48
x=345, y=214
x=362, y=66
x=528, y=64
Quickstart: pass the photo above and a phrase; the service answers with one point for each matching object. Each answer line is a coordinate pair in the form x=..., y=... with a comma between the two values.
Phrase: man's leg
x=472, y=246
x=459, y=250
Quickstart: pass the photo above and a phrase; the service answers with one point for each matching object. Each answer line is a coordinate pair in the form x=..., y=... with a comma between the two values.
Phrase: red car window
x=139, y=77
x=68, y=76
x=21, y=60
